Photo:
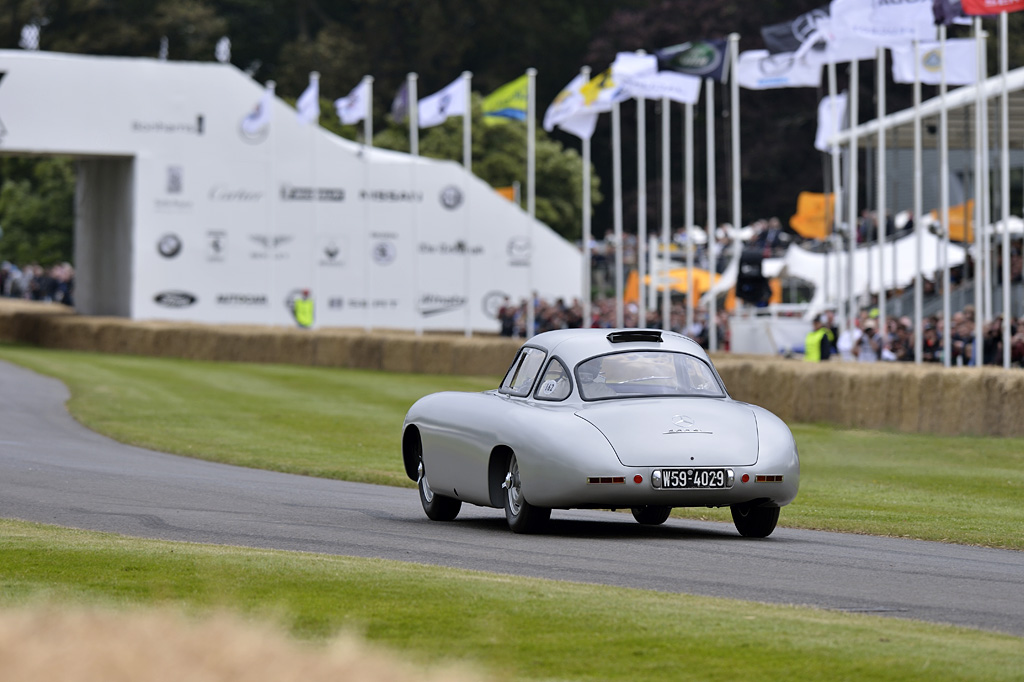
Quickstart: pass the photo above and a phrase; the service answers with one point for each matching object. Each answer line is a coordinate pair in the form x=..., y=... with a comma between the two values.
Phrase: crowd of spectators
x=36, y=283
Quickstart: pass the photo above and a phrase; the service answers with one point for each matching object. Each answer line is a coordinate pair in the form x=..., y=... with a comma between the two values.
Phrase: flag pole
x=944, y=198
x=586, y=321
x=918, y=208
x=986, y=193
x=881, y=212
x=641, y=208
x=851, y=210
x=688, y=209
x=414, y=116
x=666, y=214
x=1004, y=178
x=414, y=149
x=980, y=312
x=368, y=118
x=734, y=116
x=467, y=163
x=617, y=210
x=712, y=214
x=836, y=152
x=531, y=190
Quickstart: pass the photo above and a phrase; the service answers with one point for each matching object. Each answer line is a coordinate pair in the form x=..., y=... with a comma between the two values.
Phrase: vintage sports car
x=602, y=419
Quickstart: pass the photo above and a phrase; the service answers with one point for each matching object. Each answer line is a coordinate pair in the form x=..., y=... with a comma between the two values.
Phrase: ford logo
x=174, y=299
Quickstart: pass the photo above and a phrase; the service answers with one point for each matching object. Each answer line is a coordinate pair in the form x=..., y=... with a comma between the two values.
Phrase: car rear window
x=646, y=373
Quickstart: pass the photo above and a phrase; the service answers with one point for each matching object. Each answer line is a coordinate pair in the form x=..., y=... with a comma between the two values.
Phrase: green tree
x=37, y=199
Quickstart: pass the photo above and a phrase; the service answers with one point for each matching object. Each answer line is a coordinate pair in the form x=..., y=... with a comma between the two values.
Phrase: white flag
x=259, y=118
x=308, y=104
x=760, y=70
x=883, y=22
x=678, y=87
x=831, y=118
x=451, y=101
x=824, y=46
x=352, y=107
x=961, y=62
x=566, y=104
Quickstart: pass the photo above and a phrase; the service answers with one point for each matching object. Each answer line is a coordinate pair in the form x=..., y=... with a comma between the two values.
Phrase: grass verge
x=346, y=424
x=512, y=628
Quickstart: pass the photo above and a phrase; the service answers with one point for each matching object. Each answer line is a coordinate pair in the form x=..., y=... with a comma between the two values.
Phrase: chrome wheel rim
x=513, y=487
x=425, y=490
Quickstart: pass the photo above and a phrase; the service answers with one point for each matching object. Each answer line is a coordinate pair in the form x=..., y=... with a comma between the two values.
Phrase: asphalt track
x=53, y=470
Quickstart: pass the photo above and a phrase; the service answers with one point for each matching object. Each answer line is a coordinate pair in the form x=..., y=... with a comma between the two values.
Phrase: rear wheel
x=522, y=516
x=651, y=515
x=753, y=521
x=437, y=507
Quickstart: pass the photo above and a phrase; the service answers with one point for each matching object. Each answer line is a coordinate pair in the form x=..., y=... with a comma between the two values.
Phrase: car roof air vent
x=648, y=335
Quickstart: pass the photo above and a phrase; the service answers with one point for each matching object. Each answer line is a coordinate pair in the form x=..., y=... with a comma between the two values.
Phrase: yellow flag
x=507, y=103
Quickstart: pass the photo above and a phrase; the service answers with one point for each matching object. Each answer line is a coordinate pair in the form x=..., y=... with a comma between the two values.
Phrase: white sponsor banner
x=229, y=223
x=678, y=87
x=961, y=62
x=883, y=22
x=760, y=70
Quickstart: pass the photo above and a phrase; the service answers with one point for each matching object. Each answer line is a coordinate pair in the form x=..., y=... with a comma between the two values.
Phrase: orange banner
x=959, y=216
x=813, y=217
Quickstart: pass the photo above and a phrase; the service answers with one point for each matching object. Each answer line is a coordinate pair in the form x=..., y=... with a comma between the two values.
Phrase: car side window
x=555, y=384
x=521, y=377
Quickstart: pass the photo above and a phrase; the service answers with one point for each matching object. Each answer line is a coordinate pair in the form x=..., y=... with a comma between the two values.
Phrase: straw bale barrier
x=900, y=397
x=159, y=645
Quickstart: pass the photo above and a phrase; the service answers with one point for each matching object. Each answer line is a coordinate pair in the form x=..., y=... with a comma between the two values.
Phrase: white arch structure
x=181, y=215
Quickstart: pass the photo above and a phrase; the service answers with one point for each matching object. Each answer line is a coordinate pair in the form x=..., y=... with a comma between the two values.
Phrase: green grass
x=513, y=628
x=346, y=424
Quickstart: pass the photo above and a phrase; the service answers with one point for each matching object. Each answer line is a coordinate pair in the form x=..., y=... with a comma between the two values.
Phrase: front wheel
x=437, y=507
x=753, y=521
x=651, y=515
x=522, y=516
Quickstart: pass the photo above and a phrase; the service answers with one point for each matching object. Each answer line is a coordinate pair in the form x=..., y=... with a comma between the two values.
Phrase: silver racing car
x=602, y=419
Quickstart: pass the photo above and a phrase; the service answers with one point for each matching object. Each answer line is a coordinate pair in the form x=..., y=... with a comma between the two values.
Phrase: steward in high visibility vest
x=818, y=342
x=303, y=310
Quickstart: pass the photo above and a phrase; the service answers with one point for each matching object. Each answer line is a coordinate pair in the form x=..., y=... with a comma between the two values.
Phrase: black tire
x=522, y=516
x=437, y=507
x=651, y=515
x=753, y=521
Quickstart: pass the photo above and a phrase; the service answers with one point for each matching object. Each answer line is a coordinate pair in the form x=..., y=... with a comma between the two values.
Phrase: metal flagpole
x=368, y=118
x=980, y=313
x=414, y=149
x=414, y=116
x=918, y=218
x=367, y=142
x=641, y=210
x=688, y=210
x=587, y=277
x=666, y=215
x=531, y=189
x=467, y=163
x=836, y=152
x=986, y=193
x=617, y=210
x=880, y=85
x=712, y=216
x=944, y=198
x=1004, y=179
x=734, y=97
x=852, y=183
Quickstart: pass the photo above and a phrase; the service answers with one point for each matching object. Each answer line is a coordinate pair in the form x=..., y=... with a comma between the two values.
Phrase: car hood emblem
x=684, y=424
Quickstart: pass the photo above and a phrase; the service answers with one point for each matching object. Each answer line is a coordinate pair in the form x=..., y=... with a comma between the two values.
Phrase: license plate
x=695, y=478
